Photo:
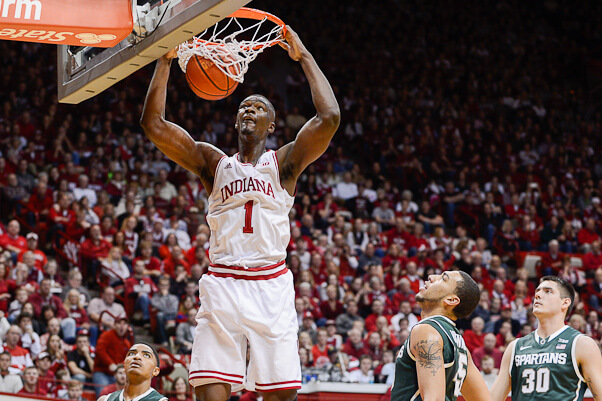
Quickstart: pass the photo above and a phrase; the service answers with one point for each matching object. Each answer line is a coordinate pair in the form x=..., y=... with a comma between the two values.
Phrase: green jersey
x=150, y=395
x=546, y=369
x=455, y=362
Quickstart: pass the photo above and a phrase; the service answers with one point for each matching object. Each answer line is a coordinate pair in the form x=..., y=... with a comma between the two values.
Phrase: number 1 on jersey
x=247, y=229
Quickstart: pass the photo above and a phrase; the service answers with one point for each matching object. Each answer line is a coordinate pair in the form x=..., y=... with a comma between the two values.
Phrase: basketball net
x=230, y=54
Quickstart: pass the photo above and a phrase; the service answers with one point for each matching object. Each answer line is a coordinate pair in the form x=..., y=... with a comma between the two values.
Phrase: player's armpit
x=589, y=360
x=501, y=387
x=103, y=398
x=426, y=346
x=474, y=387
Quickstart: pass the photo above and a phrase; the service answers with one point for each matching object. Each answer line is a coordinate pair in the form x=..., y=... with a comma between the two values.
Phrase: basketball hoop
x=235, y=41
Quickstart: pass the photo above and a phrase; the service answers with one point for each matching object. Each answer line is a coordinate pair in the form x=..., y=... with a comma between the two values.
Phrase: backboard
x=84, y=72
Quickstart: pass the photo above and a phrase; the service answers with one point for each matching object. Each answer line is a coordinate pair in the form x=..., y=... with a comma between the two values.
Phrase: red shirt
x=480, y=352
x=472, y=340
x=586, y=236
x=39, y=302
x=110, y=349
x=592, y=261
x=144, y=285
x=18, y=241
x=351, y=350
x=59, y=216
x=40, y=258
x=151, y=264
x=90, y=250
x=38, y=391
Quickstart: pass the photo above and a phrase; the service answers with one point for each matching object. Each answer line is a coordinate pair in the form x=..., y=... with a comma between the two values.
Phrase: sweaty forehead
x=256, y=98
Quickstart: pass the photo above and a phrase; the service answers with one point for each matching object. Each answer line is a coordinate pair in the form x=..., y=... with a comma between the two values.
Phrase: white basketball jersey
x=248, y=213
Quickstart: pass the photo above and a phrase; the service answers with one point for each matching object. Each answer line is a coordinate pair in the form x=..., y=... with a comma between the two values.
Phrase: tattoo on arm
x=588, y=381
x=426, y=352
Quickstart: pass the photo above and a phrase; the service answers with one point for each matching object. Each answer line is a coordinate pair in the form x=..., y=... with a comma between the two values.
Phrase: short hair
x=566, y=290
x=486, y=358
x=74, y=384
x=6, y=353
x=155, y=353
x=469, y=293
x=364, y=357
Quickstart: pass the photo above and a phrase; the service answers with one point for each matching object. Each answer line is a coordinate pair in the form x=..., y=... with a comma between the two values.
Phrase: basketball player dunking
x=554, y=362
x=248, y=293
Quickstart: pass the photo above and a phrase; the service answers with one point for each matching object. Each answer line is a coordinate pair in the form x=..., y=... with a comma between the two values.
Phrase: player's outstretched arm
x=501, y=387
x=474, y=387
x=197, y=157
x=589, y=360
x=103, y=398
x=314, y=137
x=427, y=348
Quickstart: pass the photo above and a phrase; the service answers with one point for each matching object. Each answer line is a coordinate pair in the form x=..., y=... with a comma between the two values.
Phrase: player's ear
x=566, y=303
x=156, y=371
x=452, y=300
x=272, y=127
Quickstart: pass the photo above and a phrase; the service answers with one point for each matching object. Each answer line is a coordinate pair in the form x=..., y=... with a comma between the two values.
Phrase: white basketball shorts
x=234, y=310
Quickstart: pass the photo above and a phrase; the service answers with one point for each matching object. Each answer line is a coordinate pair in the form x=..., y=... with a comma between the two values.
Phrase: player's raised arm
x=474, y=387
x=501, y=387
x=427, y=347
x=589, y=360
x=314, y=137
x=197, y=157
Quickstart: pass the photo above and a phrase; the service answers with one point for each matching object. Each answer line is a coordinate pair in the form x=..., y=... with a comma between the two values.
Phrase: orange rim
x=251, y=13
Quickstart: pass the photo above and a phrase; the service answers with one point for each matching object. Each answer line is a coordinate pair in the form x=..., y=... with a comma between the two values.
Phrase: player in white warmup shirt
x=248, y=293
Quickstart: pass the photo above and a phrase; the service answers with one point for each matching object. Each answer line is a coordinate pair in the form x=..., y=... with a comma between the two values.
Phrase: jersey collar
x=542, y=341
x=444, y=317
x=138, y=397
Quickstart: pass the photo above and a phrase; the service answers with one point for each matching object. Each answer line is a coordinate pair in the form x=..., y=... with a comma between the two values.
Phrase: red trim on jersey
x=250, y=269
x=215, y=371
x=280, y=388
x=277, y=168
x=214, y=377
x=243, y=277
x=274, y=384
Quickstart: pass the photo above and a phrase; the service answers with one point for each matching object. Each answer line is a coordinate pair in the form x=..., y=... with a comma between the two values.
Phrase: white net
x=231, y=45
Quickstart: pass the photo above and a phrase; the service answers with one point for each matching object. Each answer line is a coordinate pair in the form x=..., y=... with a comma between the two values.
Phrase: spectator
x=354, y=346
x=60, y=388
x=364, y=374
x=74, y=281
x=119, y=381
x=506, y=316
x=75, y=390
x=82, y=190
x=185, y=332
x=320, y=349
x=488, y=349
x=551, y=262
x=405, y=312
x=9, y=382
x=31, y=384
x=75, y=310
x=20, y=357
x=44, y=297
x=378, y=309
x=12, y=241
x=57, y=353
x=385, y=372
x=595, y=290
x=106, y=303
x=46, y=378
x=30, y=340
x=166, y=305
x=140, y=288
x=93, y=250
x=114, y=268
x=345, y=320
x=32, y=246
x=111, y=350
x=488, y=371
x=180, y=389
x=475, y=337
x=80, y=361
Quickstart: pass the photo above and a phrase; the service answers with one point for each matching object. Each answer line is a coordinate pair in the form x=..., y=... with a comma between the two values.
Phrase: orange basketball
x=207, y=81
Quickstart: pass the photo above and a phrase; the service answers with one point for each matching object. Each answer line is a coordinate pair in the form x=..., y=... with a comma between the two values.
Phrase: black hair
x=155, y=353
x=566, y=290
x=469, y=293
x=269, y=105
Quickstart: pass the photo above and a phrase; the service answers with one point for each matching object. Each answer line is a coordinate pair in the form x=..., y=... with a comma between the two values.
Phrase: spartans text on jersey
x=538, y=359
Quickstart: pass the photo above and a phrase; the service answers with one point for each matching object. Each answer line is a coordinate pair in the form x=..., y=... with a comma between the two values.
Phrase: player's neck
x=250, y=152
x=435, y=312
x=549, y=325
x=133, y=390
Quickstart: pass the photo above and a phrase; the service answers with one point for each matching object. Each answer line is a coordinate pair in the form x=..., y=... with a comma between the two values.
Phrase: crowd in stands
x=467, y=141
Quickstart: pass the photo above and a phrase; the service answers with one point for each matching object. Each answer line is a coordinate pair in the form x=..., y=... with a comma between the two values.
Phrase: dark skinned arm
x=198, y=157
x=315, y=136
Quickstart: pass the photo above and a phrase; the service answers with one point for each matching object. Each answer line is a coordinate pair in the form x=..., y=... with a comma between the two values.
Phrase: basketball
x=207, y=81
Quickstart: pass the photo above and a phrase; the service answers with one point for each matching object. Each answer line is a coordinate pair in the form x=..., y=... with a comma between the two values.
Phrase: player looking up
x=141, y=365
x=434, y=364
x=554, y=362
